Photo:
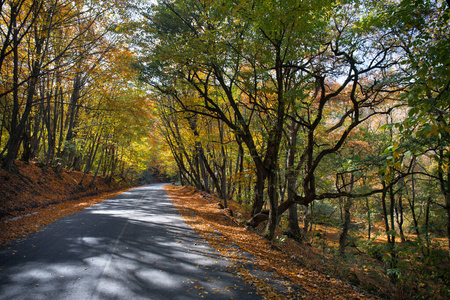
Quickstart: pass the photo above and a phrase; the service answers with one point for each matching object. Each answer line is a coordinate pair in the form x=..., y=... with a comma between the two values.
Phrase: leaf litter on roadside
x=223, y=231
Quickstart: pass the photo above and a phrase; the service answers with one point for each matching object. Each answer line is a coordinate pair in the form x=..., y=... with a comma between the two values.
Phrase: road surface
x=132, y=246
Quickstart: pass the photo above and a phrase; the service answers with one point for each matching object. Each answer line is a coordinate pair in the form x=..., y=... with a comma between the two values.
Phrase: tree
x=266, y=70
x=39, y=43
x=67, y=88
x=421, y=27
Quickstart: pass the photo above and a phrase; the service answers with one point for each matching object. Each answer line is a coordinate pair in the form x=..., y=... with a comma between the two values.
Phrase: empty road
x=132, y=246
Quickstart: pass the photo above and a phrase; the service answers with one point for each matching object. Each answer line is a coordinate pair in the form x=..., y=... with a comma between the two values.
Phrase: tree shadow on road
x=134, y=246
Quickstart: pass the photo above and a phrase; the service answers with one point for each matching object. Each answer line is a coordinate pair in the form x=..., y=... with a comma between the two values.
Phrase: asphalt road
x=132, y=246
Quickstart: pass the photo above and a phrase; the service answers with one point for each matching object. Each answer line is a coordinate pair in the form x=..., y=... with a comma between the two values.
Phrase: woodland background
x=315, y=117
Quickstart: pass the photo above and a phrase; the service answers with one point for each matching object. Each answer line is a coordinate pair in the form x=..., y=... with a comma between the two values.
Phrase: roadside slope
x=295, y=281
x=39, y=196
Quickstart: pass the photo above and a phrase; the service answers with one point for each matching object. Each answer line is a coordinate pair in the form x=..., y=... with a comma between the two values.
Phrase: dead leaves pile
x=208, y=219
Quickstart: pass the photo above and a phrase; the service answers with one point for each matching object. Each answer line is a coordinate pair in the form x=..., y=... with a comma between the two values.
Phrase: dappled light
x=141, y=248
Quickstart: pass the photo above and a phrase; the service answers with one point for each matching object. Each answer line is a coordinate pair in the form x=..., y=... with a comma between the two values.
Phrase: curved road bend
x=132, y=246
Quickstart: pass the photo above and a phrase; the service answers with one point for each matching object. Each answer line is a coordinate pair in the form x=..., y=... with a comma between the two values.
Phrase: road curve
x=132, y=246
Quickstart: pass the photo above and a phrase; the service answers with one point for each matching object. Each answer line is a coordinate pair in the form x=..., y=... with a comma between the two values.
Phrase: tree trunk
x=51, y=134
x=273, y=205
x=445, y=189
x=399, y=218
x=393, y=276
x=385, y=214
x=61, y=120
x=343, y=236
x=91, y=157
x=68, y=153
x=447, y=203
x=8, y=162
x=26, y=143
x=369, y=219
x=98, y=167
x=346, y=224
x=240, y=170
x=17, y=131
x=427, y=226
x=259, y=192
x=412, y=203
x=306, y=217
x=292, y=174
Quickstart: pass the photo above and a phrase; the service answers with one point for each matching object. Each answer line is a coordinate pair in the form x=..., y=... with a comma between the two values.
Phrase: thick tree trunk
x=292, y=174
x=201, y=160
x=272, y=221
x=294, y=228
x=73, y=106
x=258, y=203
x=345, y=226
x=273, y=147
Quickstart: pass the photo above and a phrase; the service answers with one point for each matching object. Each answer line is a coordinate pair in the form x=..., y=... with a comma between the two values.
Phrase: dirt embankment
x=38, y=196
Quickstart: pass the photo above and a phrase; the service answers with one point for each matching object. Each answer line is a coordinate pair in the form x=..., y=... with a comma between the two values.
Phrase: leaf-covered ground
x=40, y=196
x=222, y=230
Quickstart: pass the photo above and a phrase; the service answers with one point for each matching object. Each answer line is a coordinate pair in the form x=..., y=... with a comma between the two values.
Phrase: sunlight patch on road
x=160, y=278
